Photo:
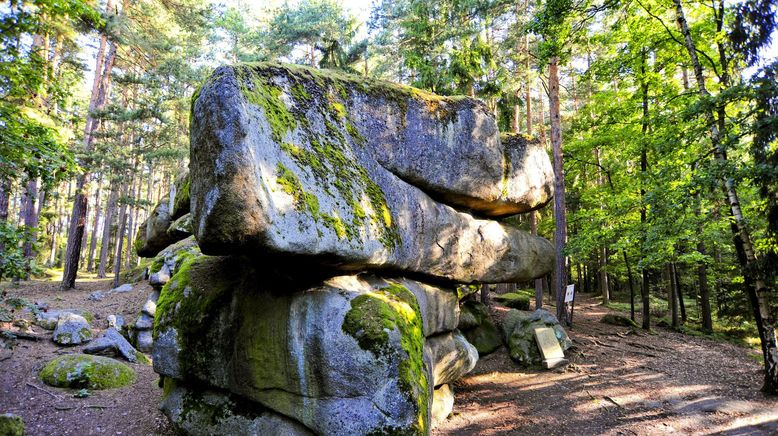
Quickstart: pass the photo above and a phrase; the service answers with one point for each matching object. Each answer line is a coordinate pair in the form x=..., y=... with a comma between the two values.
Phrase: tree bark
x=645, y=287
x=30, y=212
x=485, y=298
x=107, y=222
x=117, y=264
x=100, y=91
x=756, y=285
x=560, y=214
x=631, y=287
x=702, y=277
x=90, y=262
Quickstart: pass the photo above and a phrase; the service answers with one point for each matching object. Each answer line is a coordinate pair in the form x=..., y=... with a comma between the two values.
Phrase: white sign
x=570, y=294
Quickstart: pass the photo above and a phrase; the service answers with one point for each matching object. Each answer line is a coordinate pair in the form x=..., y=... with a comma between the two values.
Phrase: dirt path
x=131, y=410
x=618, y=383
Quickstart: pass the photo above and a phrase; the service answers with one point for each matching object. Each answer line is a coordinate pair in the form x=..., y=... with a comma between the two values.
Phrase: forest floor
x=619, y=381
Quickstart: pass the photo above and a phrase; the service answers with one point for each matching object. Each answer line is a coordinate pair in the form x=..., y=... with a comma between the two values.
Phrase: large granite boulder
x=167, y=223
x=344, y=355
x=357, y=174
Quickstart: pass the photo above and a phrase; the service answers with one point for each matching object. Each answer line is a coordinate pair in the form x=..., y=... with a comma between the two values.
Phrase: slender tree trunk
x=107, y=222
x=90, y=263
x=672, y=295
x=117, y=264
x=100, y=90
x=705, y=310
x=631, y=287
x=485, y=298
x=645, y=287
x=679, y=292
x=756, y=284
x=30, y=213
x=560, y=214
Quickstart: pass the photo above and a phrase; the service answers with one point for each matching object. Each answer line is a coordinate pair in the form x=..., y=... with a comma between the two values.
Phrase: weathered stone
x=150, y=306
x=618, y=320
x=96, y=296
x=166, y=262
x=144, y=340
x=86, y=371
x=48, y=319
x=345, y=356
x=336, y=170
x=144, y=322
x=116, y=322
x=127, y=287
x=11, y=425
x=451, y=355
x=112, y=343
x=204, y=412
x=181, y=228
x=518, y=327
x=439, y=307
x=485, y=338
x=72, y=329
x=472, y=314
x=442, y=404
x=513, y=300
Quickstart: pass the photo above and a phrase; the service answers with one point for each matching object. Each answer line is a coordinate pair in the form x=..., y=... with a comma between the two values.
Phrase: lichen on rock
x=86, y=371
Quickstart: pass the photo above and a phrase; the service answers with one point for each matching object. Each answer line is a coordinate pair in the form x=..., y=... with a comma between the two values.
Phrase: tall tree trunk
x=90, y=263
x=672, y=295
x=117, y=264
x=645, y=287
x=631, y=286
x=702, y=277
x=679, y=292
x=100, y=90
x=485, y=298
x=560, y=214
x=756, y=285
x=107, y=222
x=30, y=212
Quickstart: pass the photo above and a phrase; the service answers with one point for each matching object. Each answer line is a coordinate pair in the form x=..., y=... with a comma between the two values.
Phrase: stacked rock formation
x=333, y=216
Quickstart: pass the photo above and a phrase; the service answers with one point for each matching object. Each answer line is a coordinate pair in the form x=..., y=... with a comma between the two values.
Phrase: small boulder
x=144, y=340
x=112, y=343
x=442, y=404
x=451, y=355
x=86, y=371
x=96, y=296
x=116, y=321
x=513, y=300
x=144, y=322
x=618, y=320
x=518, y=328
x=72, y=329
x=477, y=326
x=11, y=425
x=47, y=319
x=127, y=287
x=485, y=338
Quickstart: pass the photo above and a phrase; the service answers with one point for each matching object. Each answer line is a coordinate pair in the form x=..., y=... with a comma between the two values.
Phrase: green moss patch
x=11, y=425
x=81, y=371
x=324, y=154
x=371, y=317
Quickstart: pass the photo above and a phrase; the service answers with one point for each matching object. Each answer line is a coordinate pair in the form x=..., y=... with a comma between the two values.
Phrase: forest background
x=661, y=117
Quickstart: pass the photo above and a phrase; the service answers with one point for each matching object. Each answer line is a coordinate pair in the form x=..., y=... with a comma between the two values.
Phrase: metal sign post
x=570, y=301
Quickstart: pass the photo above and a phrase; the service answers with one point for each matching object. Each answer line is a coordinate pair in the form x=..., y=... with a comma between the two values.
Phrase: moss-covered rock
x=11, y=425
x=343, y=355
x=513, y=300
x=485, y=338
x=72, y=329
x=619, y=320
x=329, y=168
x=518, y=329
x=195, y=410
x=85, y=371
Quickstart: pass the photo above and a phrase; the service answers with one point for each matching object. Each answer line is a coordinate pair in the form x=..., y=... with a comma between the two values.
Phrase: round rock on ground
x=72, y=329
x=86, y=371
